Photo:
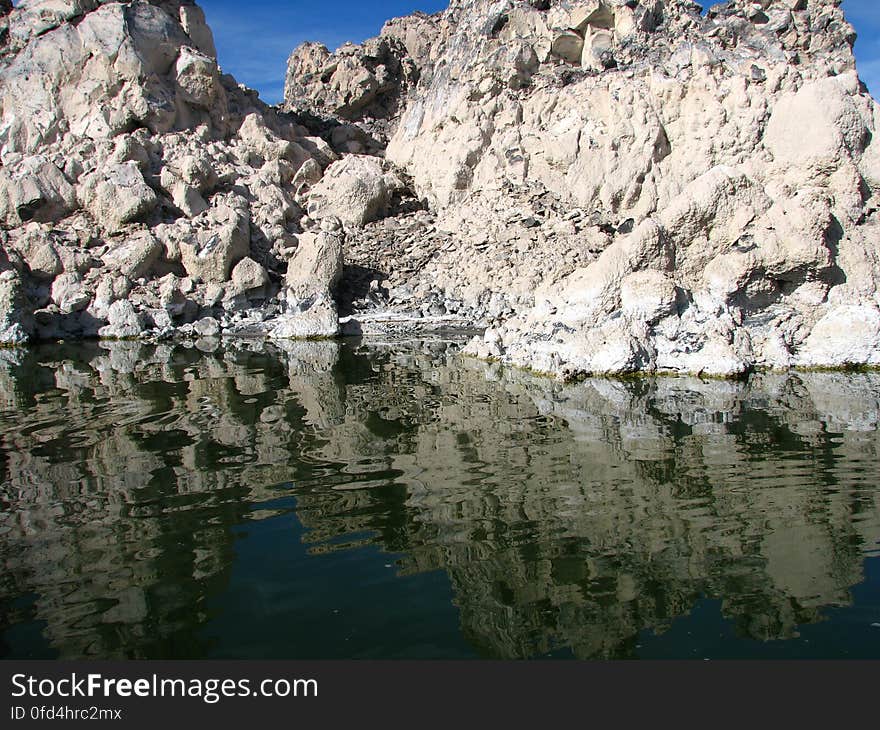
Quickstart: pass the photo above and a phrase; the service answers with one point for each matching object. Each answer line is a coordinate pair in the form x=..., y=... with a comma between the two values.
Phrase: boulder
x=36, y=190
x=313, y=318
x=192, y=20
x=247, y=277
x=847, y=334
x=198, y=78
x=356, y=190
x=315, y=267
x=15, y=321
x=648, y=295
x=123, y=322
x=222, y=239
x=134, y=256
x=116, y=195
x=69, y=293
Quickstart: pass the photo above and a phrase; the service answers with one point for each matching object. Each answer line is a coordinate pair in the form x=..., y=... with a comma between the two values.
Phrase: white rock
x=846, y=335
x=116, y=195
x=356, y=190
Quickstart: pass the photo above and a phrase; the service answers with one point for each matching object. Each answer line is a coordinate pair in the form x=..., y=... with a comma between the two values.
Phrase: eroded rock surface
x=729, y=159
x=637, y=186
x=601, y=186
x=142, y=190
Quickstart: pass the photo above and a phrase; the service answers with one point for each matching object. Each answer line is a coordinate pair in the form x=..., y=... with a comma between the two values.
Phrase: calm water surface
x=334, y=501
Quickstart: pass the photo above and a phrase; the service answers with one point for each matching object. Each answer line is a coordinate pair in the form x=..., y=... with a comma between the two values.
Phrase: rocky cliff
x=641, y=186
x=142, y=191
x=601, y=186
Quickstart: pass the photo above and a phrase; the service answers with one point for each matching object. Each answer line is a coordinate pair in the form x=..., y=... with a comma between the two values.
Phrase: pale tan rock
x=569, y=46
x=192, y=19
x=36, y=190
x=316, y=318
x=123, y=321
x=316, y=266
x=198, y=78
x=209, y=253
x=648, y=295
x=116, y=195
x=69, y=293
x=356, y=190
x=247, y=276
x=135, y=256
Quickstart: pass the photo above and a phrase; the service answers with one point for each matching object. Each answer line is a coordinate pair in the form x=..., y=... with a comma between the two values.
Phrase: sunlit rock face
x=578, y=518
x=138, y=171
x=597, y=186
x=632, y=186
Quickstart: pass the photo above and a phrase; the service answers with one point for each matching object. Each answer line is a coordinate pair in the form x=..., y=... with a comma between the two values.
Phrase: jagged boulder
x=356, y=190
x=116, y=195
x=221, y=239
x=370, y=80
x=312, y=275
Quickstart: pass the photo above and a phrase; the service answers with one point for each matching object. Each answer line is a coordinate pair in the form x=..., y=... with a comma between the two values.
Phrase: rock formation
x=642, y=186
x=142, y=191
x=600, y=186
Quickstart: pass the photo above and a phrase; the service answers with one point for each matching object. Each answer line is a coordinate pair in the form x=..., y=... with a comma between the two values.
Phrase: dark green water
x=327, y=501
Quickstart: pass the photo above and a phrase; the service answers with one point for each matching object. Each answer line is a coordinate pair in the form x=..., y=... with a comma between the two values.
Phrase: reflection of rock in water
x=566, y=516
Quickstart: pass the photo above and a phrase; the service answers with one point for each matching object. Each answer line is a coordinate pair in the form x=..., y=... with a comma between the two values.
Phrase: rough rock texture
x=730, y=158
x=601, y=186
x=369, y=82
x=311, y=279
x=619, y=186
x=141, y=189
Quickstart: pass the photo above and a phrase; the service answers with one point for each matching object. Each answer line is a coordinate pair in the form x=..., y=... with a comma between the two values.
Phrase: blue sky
x=254, y=39
x=865, y=16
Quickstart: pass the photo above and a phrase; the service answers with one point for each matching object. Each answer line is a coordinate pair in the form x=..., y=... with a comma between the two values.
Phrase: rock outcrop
x=141, y=189
x=620, y=185
x=601, y=186
x=730, y=157
x=368, y=83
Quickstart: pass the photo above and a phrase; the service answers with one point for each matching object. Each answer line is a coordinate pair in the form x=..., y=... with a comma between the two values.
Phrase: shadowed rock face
x=182, y=501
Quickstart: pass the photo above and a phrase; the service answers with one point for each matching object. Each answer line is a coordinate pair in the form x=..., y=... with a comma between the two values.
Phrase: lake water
x=339, y=501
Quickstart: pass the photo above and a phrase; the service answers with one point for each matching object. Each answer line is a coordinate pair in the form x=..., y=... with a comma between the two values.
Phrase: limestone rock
x=315, y=267
x=69, y=294
x=314, y=318
x=36, y=190
x=211, y=250
x=648, y=294
x=356, y=81
x=123, y=322
x=116, y=195
x=356, y=190
x=247, y=276
x=134, y=257
x=846, y=335
x=15, y=323
x=192, y=20
x=603, y=186
x=136, y=157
